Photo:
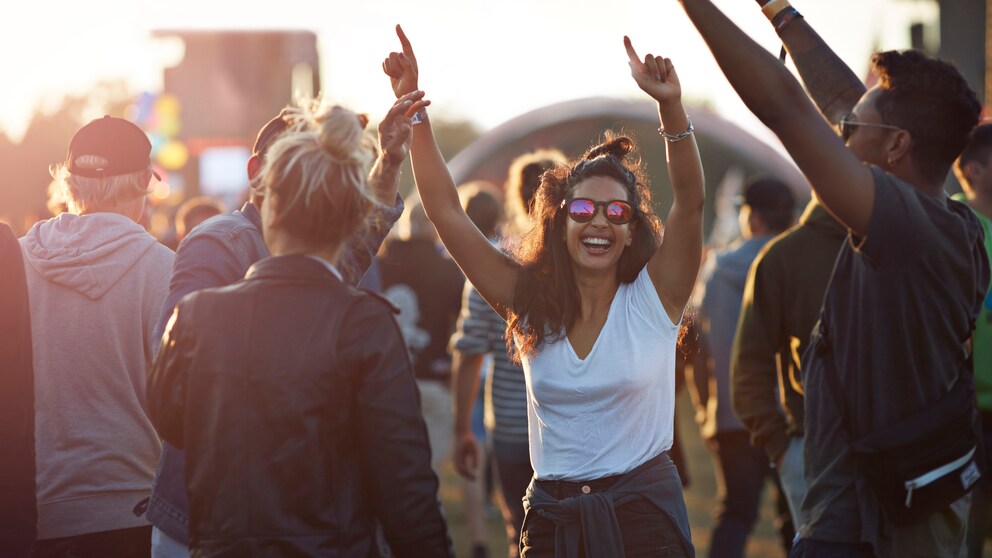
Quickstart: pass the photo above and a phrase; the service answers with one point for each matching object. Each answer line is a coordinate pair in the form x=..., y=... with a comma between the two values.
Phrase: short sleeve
x=645, y=303
x=900, y=227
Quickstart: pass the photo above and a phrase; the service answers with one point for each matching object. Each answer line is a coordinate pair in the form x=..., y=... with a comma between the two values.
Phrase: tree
x=26, y=164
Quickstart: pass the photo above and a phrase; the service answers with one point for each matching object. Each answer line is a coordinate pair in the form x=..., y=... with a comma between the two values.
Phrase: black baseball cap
x=272, y=130
x=767, y=193
x=124, y=145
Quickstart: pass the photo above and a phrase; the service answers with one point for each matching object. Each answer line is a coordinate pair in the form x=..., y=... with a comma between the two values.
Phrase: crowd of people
x=243, y=395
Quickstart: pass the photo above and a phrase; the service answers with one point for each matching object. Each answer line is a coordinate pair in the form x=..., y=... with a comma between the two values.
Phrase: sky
x=486, y=61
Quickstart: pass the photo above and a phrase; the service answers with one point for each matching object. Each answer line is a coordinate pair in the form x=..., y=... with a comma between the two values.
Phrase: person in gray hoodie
x=766, y=209
x=96, y=282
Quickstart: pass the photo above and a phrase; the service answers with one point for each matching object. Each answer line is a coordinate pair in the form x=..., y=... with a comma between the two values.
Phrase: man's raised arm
x=832, y=85
x=841, y=181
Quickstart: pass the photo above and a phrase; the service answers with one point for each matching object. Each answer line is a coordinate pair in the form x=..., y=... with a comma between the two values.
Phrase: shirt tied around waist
x=590, y=516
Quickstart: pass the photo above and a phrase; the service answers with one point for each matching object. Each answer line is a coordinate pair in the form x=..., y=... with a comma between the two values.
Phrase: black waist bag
x=921, y=464
x=925, y=462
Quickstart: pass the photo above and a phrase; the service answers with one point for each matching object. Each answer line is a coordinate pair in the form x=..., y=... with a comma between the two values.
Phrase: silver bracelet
x=672, y=138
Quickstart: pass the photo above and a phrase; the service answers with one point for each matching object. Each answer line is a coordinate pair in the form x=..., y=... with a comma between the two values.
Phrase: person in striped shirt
x=482, y=332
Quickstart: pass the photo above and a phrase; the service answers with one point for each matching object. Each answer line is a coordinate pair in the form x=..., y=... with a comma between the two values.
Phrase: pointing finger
x=404, y=42
x=631, y=54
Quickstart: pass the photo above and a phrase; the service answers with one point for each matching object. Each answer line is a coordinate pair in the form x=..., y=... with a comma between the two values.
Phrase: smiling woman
x=547, y=302
x=594, y=301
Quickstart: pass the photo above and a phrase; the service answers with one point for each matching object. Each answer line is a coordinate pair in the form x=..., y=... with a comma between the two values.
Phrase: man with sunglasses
x=908, y=284
x=766, y=210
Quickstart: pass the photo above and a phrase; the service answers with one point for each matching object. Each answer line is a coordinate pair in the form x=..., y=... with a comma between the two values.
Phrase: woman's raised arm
x=492, y=273
x=674, y=267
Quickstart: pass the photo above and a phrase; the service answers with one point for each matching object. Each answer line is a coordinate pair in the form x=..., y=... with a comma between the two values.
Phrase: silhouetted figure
x=974, y=171
x=782, y=302
x=195, y=211
x=766, y=209
x=18, y=506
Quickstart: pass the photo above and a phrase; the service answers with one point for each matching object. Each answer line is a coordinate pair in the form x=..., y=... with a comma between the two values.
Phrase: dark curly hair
x=929, y=99
x=546, y=299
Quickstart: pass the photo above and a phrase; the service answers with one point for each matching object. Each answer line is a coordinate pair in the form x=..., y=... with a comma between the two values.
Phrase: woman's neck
x=596, y=292
x=284, y=245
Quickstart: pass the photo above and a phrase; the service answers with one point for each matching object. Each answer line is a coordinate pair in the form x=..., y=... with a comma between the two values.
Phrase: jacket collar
x=251, y=213
x=294, y=266
x=817, y=217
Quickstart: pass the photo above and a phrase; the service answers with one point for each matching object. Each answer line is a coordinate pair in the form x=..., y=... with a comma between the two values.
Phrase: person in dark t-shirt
x=909, y=281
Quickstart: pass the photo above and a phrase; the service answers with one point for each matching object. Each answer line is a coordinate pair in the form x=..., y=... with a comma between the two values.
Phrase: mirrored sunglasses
x=583, y=210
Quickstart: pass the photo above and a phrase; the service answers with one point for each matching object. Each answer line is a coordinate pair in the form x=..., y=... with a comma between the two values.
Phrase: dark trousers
x=646, y=531
x=981, y=500
x=513, y=472
x=121, y=543
x=741, y=470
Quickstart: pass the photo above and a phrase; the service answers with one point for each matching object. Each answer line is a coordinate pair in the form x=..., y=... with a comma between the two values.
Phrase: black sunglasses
x=848, y=124
x=583, y=210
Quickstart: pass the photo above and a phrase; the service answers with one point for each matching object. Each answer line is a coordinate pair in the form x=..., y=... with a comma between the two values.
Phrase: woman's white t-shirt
x=612, y=411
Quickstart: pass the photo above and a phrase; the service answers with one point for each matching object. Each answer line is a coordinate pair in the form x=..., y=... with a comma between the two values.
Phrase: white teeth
x=596, y=241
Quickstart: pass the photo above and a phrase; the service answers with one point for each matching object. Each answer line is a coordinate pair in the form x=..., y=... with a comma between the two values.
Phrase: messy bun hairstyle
x=317, y=171
x=546, y=300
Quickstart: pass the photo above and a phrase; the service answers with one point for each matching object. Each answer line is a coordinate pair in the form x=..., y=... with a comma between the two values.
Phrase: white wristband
x=772, y=8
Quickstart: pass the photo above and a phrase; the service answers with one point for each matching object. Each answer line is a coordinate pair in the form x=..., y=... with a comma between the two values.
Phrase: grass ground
x=699, y=498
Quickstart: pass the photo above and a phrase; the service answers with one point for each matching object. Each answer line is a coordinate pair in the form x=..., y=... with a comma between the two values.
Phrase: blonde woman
x=301, y=425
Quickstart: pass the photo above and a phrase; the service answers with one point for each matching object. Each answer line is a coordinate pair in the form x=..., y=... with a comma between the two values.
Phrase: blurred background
x=505, y=77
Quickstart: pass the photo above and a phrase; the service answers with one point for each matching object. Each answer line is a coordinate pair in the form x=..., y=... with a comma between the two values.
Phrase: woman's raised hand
x=395, y=130
x=654, y=75
x=401, y=67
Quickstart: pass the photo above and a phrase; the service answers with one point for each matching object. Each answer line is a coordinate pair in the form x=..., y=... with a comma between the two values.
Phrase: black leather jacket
x=293, y=397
